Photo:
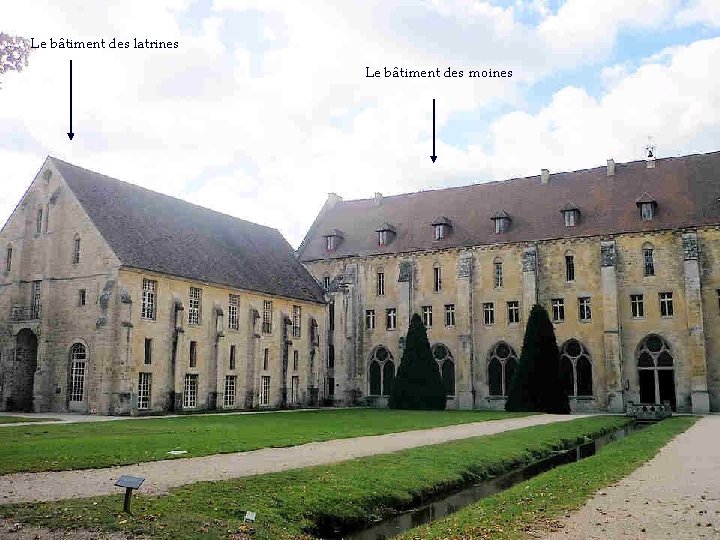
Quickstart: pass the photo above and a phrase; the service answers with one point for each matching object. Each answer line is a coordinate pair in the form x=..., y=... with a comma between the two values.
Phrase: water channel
x=449, y=504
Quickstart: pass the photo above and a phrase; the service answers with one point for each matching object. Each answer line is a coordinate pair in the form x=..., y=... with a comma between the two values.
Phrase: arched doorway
x=23, y=381
x=77, y=369
x=656, y=371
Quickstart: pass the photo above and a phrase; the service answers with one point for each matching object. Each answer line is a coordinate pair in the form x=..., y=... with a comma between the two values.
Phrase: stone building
x=119, y=300
x=626, y=259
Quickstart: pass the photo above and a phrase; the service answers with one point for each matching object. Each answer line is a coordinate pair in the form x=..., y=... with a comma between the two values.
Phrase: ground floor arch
x=502, y=361
x=656, y=371
x=446, y=365
x=381, y=372
x=21, y=375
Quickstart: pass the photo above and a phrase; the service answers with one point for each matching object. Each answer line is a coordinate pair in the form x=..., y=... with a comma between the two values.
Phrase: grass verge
x=6, y=419
x=124, y=442
x=293, y=502
x=534, y=504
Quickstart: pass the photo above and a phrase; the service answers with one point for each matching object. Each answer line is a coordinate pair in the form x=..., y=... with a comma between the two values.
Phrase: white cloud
x=700, y=11
x=265, y=135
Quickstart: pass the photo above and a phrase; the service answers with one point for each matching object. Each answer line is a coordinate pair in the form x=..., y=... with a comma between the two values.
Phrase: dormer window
x=647, y=206
x=441, y=227
x=502, y=221
x=571, y=214
x=386, y=233
x=333, y=239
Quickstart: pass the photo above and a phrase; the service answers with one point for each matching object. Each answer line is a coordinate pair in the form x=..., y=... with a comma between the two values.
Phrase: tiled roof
x=686, y=190
x=151, y=231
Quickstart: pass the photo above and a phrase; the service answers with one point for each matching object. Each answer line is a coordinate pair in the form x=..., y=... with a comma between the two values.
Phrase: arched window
x=656, y=375
x=78, y=358
x=8, y=258
x=576, y=368
x=446, y=365
x=502, y=363
x=648, y=259
x=381, y=373
x=76, y=249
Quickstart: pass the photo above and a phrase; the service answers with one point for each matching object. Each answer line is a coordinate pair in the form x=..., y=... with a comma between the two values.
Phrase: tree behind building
x=418, y=384
x=537, y=383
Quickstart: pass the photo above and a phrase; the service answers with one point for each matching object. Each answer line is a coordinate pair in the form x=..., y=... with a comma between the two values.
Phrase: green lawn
x=5, y=419
x=292, y=502
x=122, y=442
x=533, y=505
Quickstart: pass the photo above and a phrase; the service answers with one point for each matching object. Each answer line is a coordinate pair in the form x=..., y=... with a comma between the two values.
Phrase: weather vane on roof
x=650, y=148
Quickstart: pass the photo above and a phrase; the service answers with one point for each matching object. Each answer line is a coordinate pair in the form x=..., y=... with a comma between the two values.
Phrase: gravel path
x=675, y=495
x=162, y=475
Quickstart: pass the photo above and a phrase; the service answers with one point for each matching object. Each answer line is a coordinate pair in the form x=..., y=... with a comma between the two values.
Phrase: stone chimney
x=544, y=176
x=377, y=199
x=611, y=167
x=332, y=199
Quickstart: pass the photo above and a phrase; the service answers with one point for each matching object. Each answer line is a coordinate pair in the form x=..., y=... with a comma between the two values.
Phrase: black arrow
x=70, y=133
x=433, y=157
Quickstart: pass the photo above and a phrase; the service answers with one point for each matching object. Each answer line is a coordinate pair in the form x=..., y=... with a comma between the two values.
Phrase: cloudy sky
x=265, y=108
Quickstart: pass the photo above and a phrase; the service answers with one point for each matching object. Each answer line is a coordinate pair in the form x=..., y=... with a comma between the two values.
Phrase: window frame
x=195, y=306
x=8, y=257
x=264, y=394
x=148, y=304
x=77, y=248
x=667, y=306
x=498, y=277
x=391, y=319
x=232, y=361
x=147, y=351
x=637, y=306
x=569, y=268
x=233, y=312
x=190, y=390
x=488, y=313
x=449, y=314
x=437, y=279
x=369, y=319
x=380, y=283
x=557, y=306
x=267, y=317
x=192, y=354
x=427, y=316
x=513, y=307
x=584, y=308
x=230, y=391
x=296, y=322
x=144, y=393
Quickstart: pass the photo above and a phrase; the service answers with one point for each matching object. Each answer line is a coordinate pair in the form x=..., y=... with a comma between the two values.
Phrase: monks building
x=119, y=300
x=625, y=258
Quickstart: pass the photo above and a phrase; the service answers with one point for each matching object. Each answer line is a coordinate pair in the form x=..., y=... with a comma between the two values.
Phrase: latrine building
x=119, y=300
x=625, y=257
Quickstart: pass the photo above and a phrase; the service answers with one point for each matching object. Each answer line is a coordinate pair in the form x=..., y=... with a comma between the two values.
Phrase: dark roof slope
x=151, y=231
x=686, y=190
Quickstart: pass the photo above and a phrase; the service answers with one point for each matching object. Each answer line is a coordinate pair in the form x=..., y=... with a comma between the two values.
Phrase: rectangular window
x=35, y=299
x=148, y=351
x=143, y=395
x=648, y=262
x=513, y=312
x=190, y=391
x=331, y=356
x=82, y=297
x=558, y=309
x=449, y=314
x=569, y=268
x=666, y=304
x=193, y=354
x=266, y=359
x=296, y=360
x=149, y=299
x=439, y=232
x=296, y=318
x=8, y=259
x=427, y=316
x=646, y=211
x=267, y=317
x=369, y=319
x=233, y=310
x=637, y=304
x=233, y=358
x=330, y=243
x=498, y=271
x=391, y=319
x=381, y=283
x=331, y=386
x=569, y=218
x=584, y=312
x=294, y=390
x=326, y=282
x=265, y=390
x=230, y=385
x=489, y=313
x=437, y=275
x=194, y=306
x=76, y=251
x=39, y=221
x=331, y=310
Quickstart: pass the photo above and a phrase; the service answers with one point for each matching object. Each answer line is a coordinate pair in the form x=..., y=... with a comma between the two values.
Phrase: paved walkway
x=162, y=475
x=676, y=495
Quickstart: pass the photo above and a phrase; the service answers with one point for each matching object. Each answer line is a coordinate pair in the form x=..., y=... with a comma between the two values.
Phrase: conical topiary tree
x=418, y=384
x=537, y=383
